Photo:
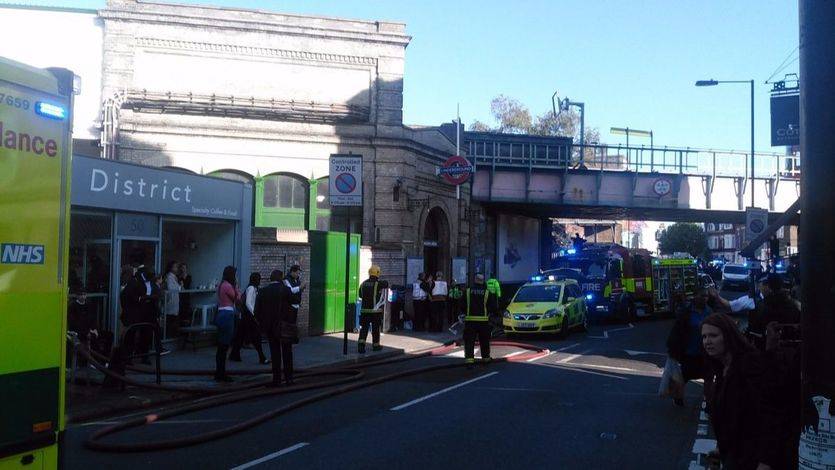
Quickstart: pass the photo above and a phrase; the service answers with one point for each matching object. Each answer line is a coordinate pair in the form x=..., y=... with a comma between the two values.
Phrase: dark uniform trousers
x=285, y=349
x=374, y=320
x=480, y=330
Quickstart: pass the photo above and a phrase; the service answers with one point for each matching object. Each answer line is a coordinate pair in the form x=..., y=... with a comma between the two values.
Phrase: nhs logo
x=16, y=253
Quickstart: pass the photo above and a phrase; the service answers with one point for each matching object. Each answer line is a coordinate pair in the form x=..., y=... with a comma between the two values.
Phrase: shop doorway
x=436, y=242
x=90, y=263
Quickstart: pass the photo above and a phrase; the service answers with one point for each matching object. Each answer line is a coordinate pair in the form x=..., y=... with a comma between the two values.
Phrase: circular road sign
x=756, y=226
x=346, y=183
x=456, y=170
x=662, y=187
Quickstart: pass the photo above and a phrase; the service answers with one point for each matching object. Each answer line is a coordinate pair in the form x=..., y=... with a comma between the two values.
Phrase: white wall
x=72, y=40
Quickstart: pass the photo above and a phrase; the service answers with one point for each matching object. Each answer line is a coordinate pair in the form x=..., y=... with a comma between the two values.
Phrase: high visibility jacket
x=372, y=294
x=494, y=287
x=479, y=303
x=455, y=293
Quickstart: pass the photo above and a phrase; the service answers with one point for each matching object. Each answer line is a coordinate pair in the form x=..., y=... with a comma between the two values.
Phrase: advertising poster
x=517, y=248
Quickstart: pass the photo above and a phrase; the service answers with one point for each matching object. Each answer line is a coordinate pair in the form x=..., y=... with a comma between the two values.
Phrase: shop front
x=124, y=216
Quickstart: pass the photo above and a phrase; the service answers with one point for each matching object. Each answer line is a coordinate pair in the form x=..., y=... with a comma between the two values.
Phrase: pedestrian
x=185, y=297
x=478, y=304
x=293, y=282
x=142, y=297
x=440, y=292
x=455, y=294
x=372, y=293
x=271, y=307
x=427, y=285
x=171, y=304
x=82, y=321
x=246, y=329
x=771, y=304
x=684, y=341
x=736, y=399
x=418, y=303
x=228, y=296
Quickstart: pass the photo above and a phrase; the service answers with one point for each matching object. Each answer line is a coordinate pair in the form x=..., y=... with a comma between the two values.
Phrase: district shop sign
x=456, y=170
x=345, y=180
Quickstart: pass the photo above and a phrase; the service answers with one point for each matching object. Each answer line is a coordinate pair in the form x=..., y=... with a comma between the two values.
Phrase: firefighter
x=372, y=293
x=478, y=304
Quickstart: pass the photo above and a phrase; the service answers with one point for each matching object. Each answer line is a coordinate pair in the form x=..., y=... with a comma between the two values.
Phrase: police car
x=547, y=304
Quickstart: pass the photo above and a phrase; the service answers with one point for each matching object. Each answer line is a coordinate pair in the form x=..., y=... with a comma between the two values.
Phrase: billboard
x=785, y=120
x=517, y=248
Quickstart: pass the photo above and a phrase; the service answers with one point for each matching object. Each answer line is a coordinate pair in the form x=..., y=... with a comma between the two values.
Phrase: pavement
x=91, y=401
x=590, y=403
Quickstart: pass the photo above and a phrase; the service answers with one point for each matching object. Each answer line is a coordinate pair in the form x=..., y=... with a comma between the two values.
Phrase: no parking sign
x=345, y=180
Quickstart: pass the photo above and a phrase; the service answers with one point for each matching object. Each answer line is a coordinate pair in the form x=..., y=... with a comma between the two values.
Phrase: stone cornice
x=254, y=20
x=236, y=50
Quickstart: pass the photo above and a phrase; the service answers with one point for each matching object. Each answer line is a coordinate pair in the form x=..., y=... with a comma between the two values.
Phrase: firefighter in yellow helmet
x=373, y=296
x=478, y=304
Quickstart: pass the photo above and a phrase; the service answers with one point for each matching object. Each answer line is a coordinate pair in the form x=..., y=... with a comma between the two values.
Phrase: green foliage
x=684, y=238
x=513, y=117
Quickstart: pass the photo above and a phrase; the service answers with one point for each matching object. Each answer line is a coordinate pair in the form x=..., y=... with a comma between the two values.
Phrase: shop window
x=90, y=261
x=285, y=191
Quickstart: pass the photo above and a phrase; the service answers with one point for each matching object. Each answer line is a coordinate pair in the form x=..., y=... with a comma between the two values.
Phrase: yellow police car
x=546, y=305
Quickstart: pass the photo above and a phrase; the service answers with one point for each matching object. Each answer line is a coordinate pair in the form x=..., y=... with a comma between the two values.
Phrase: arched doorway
x=436, y=241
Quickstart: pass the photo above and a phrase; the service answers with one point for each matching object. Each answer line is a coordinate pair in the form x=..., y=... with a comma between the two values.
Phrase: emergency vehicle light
x=51, y=111
x=536, y=278
x=589, y=296
x=572, y=251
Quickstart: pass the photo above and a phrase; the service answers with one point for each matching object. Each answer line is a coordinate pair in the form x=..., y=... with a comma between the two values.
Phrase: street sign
x=662, y=187
x=785, y=119
x=756, y=221
x=345, y=180
x=455, y=170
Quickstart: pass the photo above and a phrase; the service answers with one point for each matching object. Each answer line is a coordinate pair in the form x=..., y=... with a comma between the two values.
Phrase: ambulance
x=35, y=149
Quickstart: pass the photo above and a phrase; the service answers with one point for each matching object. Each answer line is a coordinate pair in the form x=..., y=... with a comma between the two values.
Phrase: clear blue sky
x=632, y=62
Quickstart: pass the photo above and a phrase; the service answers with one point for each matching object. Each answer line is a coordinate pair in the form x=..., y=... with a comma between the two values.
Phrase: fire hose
x=352, y=381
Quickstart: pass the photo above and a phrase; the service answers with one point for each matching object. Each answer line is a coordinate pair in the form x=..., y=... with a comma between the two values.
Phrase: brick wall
x=268, y=254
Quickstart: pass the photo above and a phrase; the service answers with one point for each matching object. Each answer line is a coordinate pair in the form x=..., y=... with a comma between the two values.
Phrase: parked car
x=736, y=276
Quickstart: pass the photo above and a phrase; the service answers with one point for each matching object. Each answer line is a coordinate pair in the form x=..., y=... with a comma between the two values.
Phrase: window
x=713, y=243
x=730, y=241
x=538, y=294
x=322, y=194
x=711, y=227
x=285, y=191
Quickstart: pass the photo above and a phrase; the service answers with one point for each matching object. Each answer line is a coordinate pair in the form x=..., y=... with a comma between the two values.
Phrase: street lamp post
x=712, y=82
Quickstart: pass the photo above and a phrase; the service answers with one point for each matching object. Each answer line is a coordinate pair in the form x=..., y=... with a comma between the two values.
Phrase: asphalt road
x=591, y=404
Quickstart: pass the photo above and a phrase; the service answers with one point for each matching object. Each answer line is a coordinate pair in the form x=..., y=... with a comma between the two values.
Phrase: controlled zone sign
x=345, y=180
x=456, y=170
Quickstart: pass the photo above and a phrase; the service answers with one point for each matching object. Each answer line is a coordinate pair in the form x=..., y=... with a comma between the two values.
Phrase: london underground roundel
x=456, y=170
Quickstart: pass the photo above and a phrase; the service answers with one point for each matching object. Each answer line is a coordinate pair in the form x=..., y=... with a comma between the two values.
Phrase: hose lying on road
x=95, y=442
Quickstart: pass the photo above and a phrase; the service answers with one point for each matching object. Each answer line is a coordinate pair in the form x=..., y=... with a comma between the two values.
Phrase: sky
x=633, y=63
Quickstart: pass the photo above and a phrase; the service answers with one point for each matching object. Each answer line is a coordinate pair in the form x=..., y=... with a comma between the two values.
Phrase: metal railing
x=689, y=161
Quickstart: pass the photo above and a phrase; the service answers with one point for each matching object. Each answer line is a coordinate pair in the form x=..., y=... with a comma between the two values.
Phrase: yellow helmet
x=374, y=270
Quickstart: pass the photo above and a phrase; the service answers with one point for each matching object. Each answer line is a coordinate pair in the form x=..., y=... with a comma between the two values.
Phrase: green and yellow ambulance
x=35, y=150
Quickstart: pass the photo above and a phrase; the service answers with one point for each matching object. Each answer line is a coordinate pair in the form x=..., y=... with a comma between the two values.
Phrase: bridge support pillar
x=739, y=189
x=771, y=191
x=707, y=188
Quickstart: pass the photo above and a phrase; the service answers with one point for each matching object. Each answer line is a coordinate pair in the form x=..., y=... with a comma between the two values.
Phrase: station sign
x=785, y=120
x=455, y=170
x=345, y=180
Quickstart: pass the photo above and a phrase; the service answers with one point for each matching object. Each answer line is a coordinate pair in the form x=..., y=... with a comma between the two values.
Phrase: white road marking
x=551, y=353
x=571, y=357
x=606, y=332
x=166, y=421
x=704, y=446
x=511, y=389
x=271, y=456
x=440, y=392
x=638, y=353
x=516, y=353
x=460, y=353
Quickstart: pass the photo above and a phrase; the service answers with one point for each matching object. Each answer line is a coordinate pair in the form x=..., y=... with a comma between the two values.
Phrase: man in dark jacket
x=478, y=304
x=141, y=305
x=684, y=344
x=271, y=309
x=372, y=294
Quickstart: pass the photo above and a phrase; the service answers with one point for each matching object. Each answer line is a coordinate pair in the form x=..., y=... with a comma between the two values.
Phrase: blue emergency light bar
x=51, y=111
x=536, y=278
x=571, y=251
x=589, y=296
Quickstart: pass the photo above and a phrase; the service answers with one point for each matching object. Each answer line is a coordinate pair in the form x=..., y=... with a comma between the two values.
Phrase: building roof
x=39, y=7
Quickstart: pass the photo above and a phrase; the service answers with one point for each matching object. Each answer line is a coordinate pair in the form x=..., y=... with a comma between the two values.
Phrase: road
x=590, y=404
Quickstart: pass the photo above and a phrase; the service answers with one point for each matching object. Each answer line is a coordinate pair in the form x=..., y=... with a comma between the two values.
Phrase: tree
x=513, y=117
x=683, y=238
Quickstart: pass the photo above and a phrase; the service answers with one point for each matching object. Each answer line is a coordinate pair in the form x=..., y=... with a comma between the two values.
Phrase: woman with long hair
x=247, y=330
x=228, y=296
x=737, y=396
x=171, y=298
